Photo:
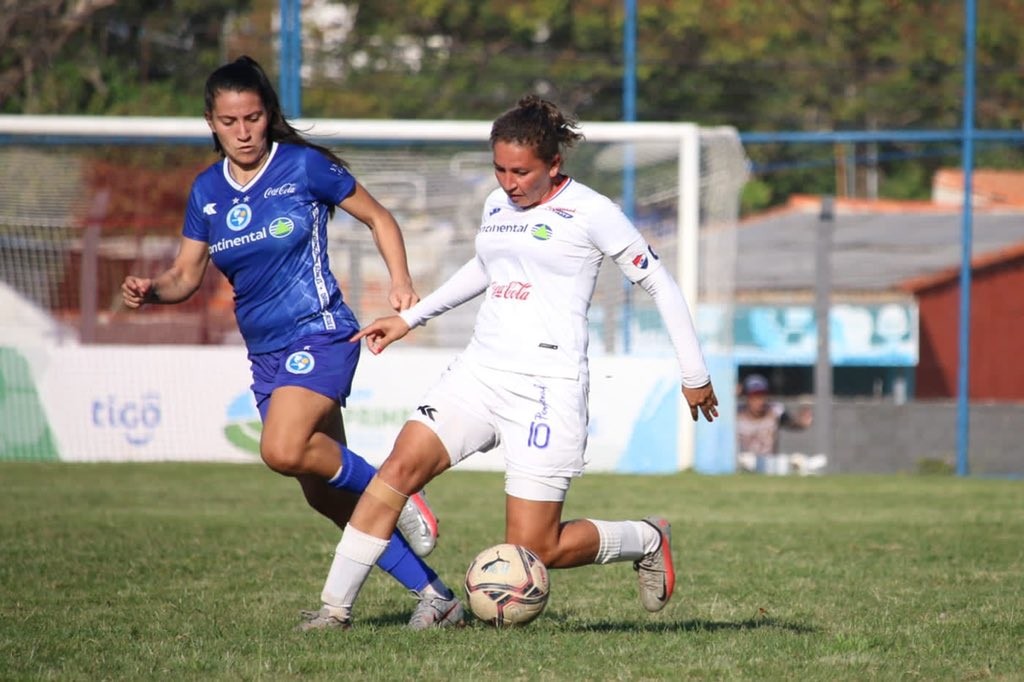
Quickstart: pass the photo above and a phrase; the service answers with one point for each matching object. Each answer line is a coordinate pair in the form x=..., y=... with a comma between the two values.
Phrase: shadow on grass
x=575, y=625
x=695, y=625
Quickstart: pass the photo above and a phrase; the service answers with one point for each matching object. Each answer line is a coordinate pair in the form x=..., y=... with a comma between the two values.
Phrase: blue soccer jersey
x=269, y=237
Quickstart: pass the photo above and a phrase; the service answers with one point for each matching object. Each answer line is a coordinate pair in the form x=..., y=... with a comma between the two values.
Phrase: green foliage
x=907, y=180
x=756, y=196
x=801, y=65
x=133, y=57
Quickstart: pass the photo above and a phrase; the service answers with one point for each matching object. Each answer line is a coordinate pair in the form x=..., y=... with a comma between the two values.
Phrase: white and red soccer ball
x=507, y=585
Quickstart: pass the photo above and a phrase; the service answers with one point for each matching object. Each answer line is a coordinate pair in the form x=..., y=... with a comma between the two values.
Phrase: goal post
x=85, y=199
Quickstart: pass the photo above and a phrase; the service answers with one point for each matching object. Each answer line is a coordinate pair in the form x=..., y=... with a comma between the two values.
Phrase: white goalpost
x=85, y=199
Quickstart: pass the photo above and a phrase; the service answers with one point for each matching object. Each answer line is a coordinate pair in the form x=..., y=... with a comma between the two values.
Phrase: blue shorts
x=324, y=362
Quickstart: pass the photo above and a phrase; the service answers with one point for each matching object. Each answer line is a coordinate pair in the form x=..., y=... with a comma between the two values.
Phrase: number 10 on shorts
x=540, y=434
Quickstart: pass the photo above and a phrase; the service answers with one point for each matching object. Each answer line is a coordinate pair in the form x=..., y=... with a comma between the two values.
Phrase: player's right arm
x=175, y=284
x=468, y=282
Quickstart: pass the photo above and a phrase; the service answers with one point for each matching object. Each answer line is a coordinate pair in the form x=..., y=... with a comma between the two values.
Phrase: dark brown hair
x=536, y=123
x=245, y=75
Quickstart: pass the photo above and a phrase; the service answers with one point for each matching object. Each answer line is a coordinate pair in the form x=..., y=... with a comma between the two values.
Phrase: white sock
x=354, y=557
x=625, y=540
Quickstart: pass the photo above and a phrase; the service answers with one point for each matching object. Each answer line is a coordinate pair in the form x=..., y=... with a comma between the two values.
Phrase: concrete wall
x=888, y=438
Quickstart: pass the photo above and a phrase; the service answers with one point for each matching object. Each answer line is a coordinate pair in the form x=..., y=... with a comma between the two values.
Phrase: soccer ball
x=507, y=585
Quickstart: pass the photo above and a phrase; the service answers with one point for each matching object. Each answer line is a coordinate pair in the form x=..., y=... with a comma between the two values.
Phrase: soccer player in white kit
x=523, y=379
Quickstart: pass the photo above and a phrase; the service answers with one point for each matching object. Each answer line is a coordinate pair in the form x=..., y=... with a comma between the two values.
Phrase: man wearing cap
x=758, y=422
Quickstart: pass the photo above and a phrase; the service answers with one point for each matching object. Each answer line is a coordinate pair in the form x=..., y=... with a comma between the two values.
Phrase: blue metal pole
x=967, y=164
x=290, y=58
x=284, y=41
x=629, y=63
x=628, y=159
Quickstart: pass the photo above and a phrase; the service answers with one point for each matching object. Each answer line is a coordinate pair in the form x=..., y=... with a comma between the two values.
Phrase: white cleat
x=418, y=525
x=435, y=611
x=655, y=570
x=327, y=618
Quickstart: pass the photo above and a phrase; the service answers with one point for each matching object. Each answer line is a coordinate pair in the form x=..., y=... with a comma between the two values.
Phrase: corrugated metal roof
x=873, y=253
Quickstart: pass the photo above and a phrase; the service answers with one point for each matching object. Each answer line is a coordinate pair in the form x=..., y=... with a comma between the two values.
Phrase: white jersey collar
x=561, y=188
x=254, y=179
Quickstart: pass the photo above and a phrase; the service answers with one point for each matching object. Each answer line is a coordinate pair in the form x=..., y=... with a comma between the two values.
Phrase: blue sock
x=355, y=472
x=399, y=561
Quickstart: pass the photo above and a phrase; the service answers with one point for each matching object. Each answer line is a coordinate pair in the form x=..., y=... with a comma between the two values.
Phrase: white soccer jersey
x=537, y=269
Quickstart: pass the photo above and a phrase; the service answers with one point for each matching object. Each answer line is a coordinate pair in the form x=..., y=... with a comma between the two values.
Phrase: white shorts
x=541, y=421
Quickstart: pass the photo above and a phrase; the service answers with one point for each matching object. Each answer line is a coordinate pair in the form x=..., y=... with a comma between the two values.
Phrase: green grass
x=197, y=571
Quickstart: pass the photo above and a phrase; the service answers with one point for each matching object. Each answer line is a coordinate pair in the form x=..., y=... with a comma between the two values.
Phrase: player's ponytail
x=537, y=123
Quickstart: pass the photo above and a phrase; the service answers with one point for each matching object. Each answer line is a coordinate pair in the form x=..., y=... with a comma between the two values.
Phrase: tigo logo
x=138, y=419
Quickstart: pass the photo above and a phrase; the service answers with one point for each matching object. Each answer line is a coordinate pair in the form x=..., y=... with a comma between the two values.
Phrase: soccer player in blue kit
x=260, y=214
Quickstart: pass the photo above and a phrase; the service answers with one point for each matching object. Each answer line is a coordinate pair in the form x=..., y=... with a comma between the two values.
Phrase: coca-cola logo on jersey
x=518, y=291
x=280, y=191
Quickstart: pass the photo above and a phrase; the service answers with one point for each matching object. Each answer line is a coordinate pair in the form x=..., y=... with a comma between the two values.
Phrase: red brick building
x=996, y=369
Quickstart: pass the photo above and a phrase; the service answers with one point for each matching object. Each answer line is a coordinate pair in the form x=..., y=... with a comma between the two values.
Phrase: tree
x=33, y=34
x=453, y=59
x=755, y=64
x=110, y=56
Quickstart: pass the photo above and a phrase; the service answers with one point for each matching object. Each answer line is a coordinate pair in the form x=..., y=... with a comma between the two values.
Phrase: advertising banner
x=155, y=403
x=876, y=335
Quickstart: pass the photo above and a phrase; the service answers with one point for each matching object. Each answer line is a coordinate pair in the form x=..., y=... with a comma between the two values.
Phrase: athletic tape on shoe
x=386, y=494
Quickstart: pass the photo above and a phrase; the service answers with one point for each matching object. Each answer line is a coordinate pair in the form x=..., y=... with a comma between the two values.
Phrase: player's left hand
x=402, y=297
x=703, y=399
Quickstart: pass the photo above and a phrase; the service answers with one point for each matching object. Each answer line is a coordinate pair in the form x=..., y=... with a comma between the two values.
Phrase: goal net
x=85, y=201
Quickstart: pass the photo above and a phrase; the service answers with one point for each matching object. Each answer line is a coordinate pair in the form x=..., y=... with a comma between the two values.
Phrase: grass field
x=198, y=571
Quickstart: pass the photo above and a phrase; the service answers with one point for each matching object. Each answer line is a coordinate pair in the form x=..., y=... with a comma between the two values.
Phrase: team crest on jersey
x=300, y=362
x=281, y=227
x=566, y=213
x=640, y=261
x=541, y=231
x=238, y=217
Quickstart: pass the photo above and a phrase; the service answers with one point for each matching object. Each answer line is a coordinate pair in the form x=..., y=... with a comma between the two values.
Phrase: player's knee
x=406, y=473
x=283, y=457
